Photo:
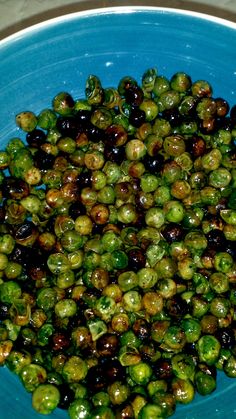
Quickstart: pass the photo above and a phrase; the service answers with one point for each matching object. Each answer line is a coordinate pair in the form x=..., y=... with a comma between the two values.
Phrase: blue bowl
x=59, y=54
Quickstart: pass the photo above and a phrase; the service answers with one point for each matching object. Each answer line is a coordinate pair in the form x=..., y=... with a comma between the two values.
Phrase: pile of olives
x=118, y=248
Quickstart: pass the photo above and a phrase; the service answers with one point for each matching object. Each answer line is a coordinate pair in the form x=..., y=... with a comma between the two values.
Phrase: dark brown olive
x=113, y=370
x=176, y=306
x=116, y=135
x=14, y=188
x=137, y=117
x=107, y=345
x=207, y=126
x=134, y=95
x=141, y=328
x=96, y=379
x=222, y=107
x=60, y=341
x=163, y=369
x=196, y=146
x=136, y=259
x=114, y=154
x=216, y=239
x=172, y=232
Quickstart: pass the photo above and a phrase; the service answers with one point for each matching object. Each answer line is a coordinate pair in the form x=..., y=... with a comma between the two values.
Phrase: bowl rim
x=113, y=10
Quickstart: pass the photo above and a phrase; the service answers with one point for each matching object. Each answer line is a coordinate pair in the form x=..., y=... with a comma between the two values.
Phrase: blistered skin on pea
x=117, y=257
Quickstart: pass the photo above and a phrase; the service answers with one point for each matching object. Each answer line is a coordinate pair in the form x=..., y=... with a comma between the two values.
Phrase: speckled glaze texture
x=58, y=55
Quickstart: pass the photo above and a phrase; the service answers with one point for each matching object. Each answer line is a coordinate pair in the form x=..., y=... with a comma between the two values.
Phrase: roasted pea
x=45, y=398
x=117, y=248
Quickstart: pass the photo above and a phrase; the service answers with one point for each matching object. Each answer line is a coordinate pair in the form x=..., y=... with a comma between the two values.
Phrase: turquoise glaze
x=37, y=63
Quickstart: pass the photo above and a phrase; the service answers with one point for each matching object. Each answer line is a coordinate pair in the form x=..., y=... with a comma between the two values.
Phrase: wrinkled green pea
x=65, y=308
x=45, y=398
x=183, y=390
x=140, y=373
x=32, y=375
x=208, y=349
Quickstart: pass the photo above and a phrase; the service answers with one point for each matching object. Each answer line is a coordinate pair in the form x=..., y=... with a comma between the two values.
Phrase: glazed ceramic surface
x=37, y=63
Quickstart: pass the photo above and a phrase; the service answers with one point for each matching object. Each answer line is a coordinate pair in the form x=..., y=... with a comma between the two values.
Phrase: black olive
x=113, y=153
x=25, y=230
x=68, y=126
x=43, y=160
x=94, y=133
x=216, y=239
x=172, y=232
x=224, y=123
x=153, y=164
x=76, y=209
x=21, y=254
x=36, y=138
x=84, y=180
x=67, y=396
x=226, y=337
x=97, y=229
x=83, y=117
x=137, y=117
x=136, y=259
x=172, y=116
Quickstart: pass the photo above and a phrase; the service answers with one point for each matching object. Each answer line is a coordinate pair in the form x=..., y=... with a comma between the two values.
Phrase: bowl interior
x=57, y=55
